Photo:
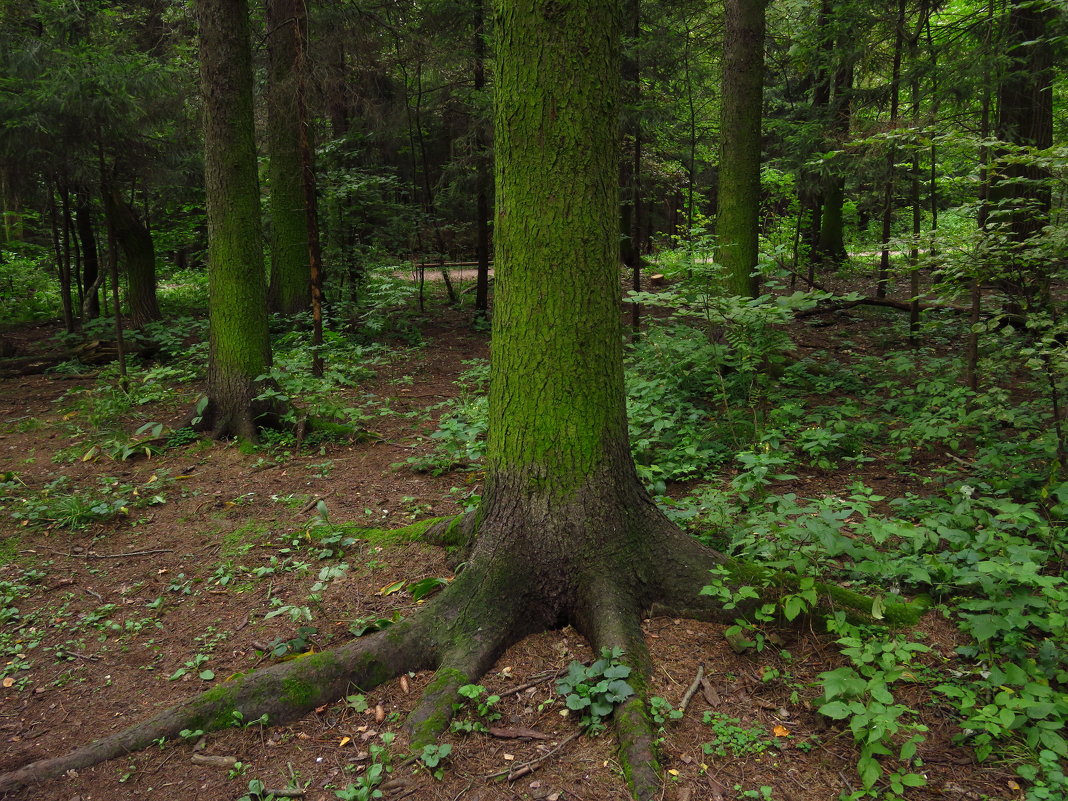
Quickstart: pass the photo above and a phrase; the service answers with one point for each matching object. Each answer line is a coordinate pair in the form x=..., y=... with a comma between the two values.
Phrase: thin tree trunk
x=482, y=167
x=307, y=160
x=113, y=268
x=91, y=272
x=891, y=157
x=971, y=356
x=69, y=275
x=61, y=270
x=914, y=189
x=831, y=247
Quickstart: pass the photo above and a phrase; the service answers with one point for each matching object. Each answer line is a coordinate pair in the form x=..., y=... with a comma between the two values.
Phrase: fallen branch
x=902, y=305
x=688, y=695
x=91, y=555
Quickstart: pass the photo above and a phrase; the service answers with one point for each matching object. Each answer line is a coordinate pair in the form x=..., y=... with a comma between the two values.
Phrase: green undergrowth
x=720, y=395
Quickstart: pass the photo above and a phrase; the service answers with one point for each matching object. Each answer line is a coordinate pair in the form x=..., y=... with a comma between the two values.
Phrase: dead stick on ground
x=534, y=683
x=131, y=553
x=688, y=696
x=519, y=771
x=314, y=502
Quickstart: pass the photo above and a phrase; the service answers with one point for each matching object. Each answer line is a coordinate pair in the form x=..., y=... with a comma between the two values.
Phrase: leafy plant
x=596, y=690
x=365, y=787
x=483, y=704
x=433, y=755
x=860, y=694
x=730, y=738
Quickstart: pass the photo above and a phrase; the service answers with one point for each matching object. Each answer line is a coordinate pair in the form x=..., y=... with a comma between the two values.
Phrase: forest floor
x=121, y=618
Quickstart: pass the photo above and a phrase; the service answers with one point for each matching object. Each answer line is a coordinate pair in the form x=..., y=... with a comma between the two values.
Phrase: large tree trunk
x=289, y=288
x=738, y=215
x=140, y=252
x=239, y=348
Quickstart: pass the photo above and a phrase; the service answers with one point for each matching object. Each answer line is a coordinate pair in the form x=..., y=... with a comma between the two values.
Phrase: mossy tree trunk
x=140, y=257
x=239, y=348
x=738, y=214
x=289, y=286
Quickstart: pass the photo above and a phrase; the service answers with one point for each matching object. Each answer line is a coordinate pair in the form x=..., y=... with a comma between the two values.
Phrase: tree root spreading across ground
x=488, y=607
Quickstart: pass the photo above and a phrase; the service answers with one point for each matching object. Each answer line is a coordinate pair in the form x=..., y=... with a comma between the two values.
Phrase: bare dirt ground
x=119, y=607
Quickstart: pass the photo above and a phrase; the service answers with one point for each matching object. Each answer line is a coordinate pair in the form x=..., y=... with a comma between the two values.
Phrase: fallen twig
x=534, y=682
x=313, y=503
x=91, y=555
x=212, y=761
x=688, y=695
x=518, y=771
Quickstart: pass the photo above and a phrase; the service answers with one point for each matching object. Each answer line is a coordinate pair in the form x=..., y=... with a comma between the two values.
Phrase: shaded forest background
x=873, y=399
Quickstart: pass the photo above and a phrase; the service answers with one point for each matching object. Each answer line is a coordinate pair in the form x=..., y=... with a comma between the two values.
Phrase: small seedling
x=433, y=755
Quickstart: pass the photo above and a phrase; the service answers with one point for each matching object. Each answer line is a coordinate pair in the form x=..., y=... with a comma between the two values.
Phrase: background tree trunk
x=891, y=157
x=137, y=246
x=289, y=288
x=239, y=348
x=738, y=215
x=91, y=273
x=831, y=247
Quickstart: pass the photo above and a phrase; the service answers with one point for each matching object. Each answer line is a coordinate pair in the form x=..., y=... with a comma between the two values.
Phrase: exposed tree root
x=615, y=622
x=283, y=692
x=492, y=604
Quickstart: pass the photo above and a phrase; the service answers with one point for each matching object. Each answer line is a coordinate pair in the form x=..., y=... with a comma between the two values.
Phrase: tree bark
x=1020, y=193
x=140, y=253
x=91, y=273
x=482, y=166
x=831, y=247
x=891, y=156
x=289, y=291
x=239, y=348
x=62, y=265
x=738, y=215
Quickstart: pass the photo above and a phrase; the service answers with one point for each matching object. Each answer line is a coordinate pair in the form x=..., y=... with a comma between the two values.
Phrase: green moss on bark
x=435, y=710
x=239, y=348
x=556, y=389
x=896, y=611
